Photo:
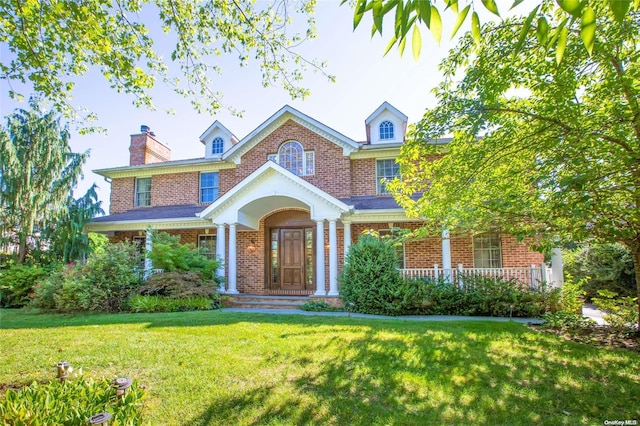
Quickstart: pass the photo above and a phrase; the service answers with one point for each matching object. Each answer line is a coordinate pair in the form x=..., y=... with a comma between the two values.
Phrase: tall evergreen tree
x=38, y=170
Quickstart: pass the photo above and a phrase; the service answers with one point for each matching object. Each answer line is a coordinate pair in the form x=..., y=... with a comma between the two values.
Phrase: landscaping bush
x=104, y=283
x=17, y=284
x=177, y=284
x=603, y=267
x=319, y=306
x=71, y=402
x=370, y=282
x=622, y=312
x=148, y=304
x=169, y=254
x=572, y=295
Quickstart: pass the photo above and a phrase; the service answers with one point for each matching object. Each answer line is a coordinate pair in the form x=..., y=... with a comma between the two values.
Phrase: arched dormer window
x=386, y=130
x=294, y=158
x=217, y=146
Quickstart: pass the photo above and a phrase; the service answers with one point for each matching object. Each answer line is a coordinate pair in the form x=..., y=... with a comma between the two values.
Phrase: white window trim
x=378, y=178
x=213, y=144
x=135, y=191
x=200, y=188
x=214, y=236
x=393, y=127
x=473, y=248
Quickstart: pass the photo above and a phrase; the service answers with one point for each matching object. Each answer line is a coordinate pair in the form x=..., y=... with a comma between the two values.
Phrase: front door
x=292, y=268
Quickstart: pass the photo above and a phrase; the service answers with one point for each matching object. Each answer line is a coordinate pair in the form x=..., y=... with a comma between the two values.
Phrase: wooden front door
x=292, y=259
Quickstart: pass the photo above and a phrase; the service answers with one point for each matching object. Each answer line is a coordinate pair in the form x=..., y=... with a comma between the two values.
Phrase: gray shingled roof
x=369, y=202
x=160, y=212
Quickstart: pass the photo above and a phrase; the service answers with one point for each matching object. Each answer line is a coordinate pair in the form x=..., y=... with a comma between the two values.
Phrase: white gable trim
x=385, y=105
x=268, y=188
x=278, y=119
x=204, y=138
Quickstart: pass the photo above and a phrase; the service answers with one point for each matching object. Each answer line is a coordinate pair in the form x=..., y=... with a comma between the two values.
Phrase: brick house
x=281, y=206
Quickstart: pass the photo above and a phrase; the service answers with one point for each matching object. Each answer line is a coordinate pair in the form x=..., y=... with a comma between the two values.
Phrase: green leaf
x=619, y=8
x=401, y=46
x=416, y=43
x=588, y=28
x=377, y=15
x=562, y=44
x=543, y=30
x=525, y=30
x=461, y=17
x=491, y=6
x=453, y=5
x=436, y=24
x=515, y=4
x=572, y=7
x=424, y=10
x=390, y=45
x=359, y=13
x=475, y=28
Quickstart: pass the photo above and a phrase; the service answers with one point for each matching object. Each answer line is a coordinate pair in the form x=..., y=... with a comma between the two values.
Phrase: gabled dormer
x=217, y=140
x=386, y=125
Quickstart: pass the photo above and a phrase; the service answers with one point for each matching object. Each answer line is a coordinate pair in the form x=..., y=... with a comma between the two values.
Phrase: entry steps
x=258, y=301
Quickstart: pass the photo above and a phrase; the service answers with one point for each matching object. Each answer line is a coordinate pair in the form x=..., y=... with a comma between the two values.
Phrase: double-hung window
x=487, y=252
x=209, y=183
x=143, y=192
x=386, y=170
x=207, y=243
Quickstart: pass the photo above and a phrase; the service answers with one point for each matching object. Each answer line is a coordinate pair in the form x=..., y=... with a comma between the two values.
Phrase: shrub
x=622, y=312
x=177, y=284
x=319, y=306
x=148, y=304
x=170, y=255
x=572, y=295
x=566, y=320
x=17, y=284
x=370, y=282
x=603, y=267
x=70, y=403
x=104, y=283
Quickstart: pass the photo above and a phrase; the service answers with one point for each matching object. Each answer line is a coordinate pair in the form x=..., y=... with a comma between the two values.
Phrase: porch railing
x=530, y=276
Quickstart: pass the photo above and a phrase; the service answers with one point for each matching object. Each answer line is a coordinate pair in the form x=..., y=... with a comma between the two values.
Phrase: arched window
x=291, y=157
x=386, y=130
x=217, y=146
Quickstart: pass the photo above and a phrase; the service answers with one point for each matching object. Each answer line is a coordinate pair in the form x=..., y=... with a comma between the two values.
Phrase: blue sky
x=365, y=79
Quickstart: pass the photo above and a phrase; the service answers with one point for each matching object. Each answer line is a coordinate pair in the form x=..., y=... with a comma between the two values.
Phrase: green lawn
x=239, y=368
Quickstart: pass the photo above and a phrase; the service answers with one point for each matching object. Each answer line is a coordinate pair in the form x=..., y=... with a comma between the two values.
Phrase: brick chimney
x=146, y=149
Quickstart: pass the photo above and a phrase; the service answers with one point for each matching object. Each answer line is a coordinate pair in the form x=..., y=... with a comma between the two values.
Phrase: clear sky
x=365, y=79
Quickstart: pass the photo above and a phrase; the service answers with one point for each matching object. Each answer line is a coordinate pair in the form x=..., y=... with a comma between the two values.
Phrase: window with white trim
x=386, y=170
x=487, y=251
x=292, y=157
x=209, y=183
x=217, y=146
x=386, y=130
x=143, y=192
x=207, y=243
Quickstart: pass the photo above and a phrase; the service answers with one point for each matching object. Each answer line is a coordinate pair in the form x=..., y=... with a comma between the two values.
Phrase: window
x=217, y=146
x=207, y=243
x=486, y=251
x=208, y=187
x=386, y=130
x=399, y=246
x=386, y=170
x=143, y=192
x=292, y=157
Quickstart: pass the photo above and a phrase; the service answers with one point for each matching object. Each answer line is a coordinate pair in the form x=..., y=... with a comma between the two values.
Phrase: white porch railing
x=530, y=276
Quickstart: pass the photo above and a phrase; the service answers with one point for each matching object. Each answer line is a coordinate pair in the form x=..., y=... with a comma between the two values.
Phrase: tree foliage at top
x=409, y=15
x=539, y=147
x=37, y=171
x=55, y=42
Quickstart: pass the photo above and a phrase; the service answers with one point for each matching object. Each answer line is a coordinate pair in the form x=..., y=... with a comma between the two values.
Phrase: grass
x=239, y=368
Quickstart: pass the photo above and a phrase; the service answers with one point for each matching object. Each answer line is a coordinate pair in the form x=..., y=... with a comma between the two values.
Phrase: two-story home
x=281, y=206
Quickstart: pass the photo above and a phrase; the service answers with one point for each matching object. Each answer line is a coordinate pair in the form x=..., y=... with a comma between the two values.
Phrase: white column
x=320, y=291
x=347, y=237
x=557, y=269
x=232, y=260
x=446, y=250
x=333, y=258
x=220, y=254
x=148, y=246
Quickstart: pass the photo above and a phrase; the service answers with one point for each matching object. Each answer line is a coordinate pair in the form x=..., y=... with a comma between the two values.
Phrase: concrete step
x=267, y=301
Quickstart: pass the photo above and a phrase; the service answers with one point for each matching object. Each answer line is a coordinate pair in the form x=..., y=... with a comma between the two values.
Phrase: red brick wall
x=515, y=254
x=122, y=194
x=363, y=177
x=175, y=189
x=145, y=149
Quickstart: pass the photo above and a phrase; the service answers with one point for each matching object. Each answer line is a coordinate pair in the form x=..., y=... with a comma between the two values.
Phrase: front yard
x=217, y=367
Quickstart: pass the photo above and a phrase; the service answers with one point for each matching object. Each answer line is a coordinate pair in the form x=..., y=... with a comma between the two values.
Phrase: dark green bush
x=370, y=282
x=148, y=304
x=170, y=255
x=17, y=284
x=177, y=284
x=319, y=306
x=104, y=283
x=70, y=403
x=603, y=267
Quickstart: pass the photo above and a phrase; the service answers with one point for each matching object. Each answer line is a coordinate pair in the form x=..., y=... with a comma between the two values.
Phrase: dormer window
x=294, y=158
x=386, y=130
x=217, y=146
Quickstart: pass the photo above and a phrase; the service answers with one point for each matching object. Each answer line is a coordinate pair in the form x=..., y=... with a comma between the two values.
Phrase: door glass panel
x=274, y=258
x=308, y=244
